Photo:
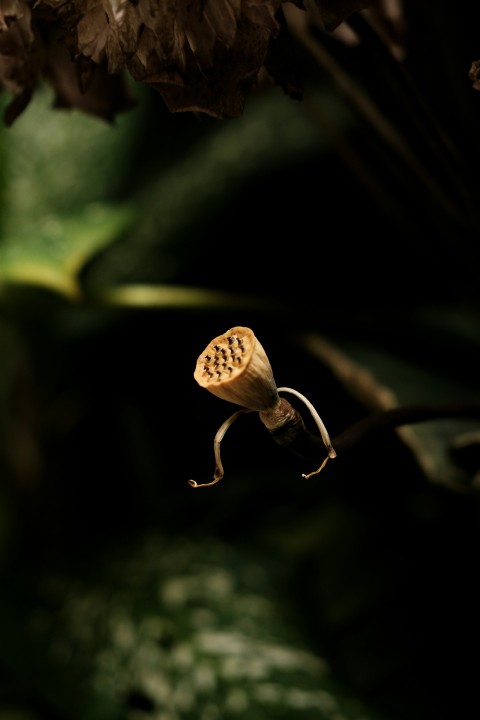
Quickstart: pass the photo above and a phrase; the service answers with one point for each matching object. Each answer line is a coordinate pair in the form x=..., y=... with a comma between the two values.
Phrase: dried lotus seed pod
x=235, y=367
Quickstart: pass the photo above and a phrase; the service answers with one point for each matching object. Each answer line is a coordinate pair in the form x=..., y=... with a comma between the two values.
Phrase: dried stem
x=296, y=438
x=288, y=429
x=318, y=420
x=219, y=472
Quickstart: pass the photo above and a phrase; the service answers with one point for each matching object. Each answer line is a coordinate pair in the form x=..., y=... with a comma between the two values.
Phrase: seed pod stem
x=284, y=415
x=294, y=436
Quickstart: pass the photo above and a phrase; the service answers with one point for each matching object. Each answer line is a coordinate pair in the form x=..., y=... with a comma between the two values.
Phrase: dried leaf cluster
x=203, y=56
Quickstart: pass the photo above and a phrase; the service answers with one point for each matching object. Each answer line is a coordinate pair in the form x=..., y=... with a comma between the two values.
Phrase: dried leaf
x=202, y=70
x=85, y=86
x=202, y=56
x=19, y=55
x=98, y=35
x=474, y=74
x=281, y=63
x=16, y=43
x=334, y=12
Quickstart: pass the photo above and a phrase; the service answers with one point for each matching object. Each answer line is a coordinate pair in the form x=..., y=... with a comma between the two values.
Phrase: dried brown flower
x=203, y=56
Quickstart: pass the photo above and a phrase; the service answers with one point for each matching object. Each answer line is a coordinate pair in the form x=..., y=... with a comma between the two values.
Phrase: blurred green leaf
x=61, y=181
x=59, y=161
x=177, y=296
x=55, y=254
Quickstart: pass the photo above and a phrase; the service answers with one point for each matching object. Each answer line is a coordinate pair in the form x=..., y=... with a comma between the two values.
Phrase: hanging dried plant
x=202, y=56
x=235, y=367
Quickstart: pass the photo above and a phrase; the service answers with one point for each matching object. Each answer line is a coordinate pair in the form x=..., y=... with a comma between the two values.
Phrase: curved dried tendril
x=219, y=472
x=319, y=423
x=315, y=472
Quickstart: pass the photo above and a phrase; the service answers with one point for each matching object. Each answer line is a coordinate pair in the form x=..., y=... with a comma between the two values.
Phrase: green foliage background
x=124, y=249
